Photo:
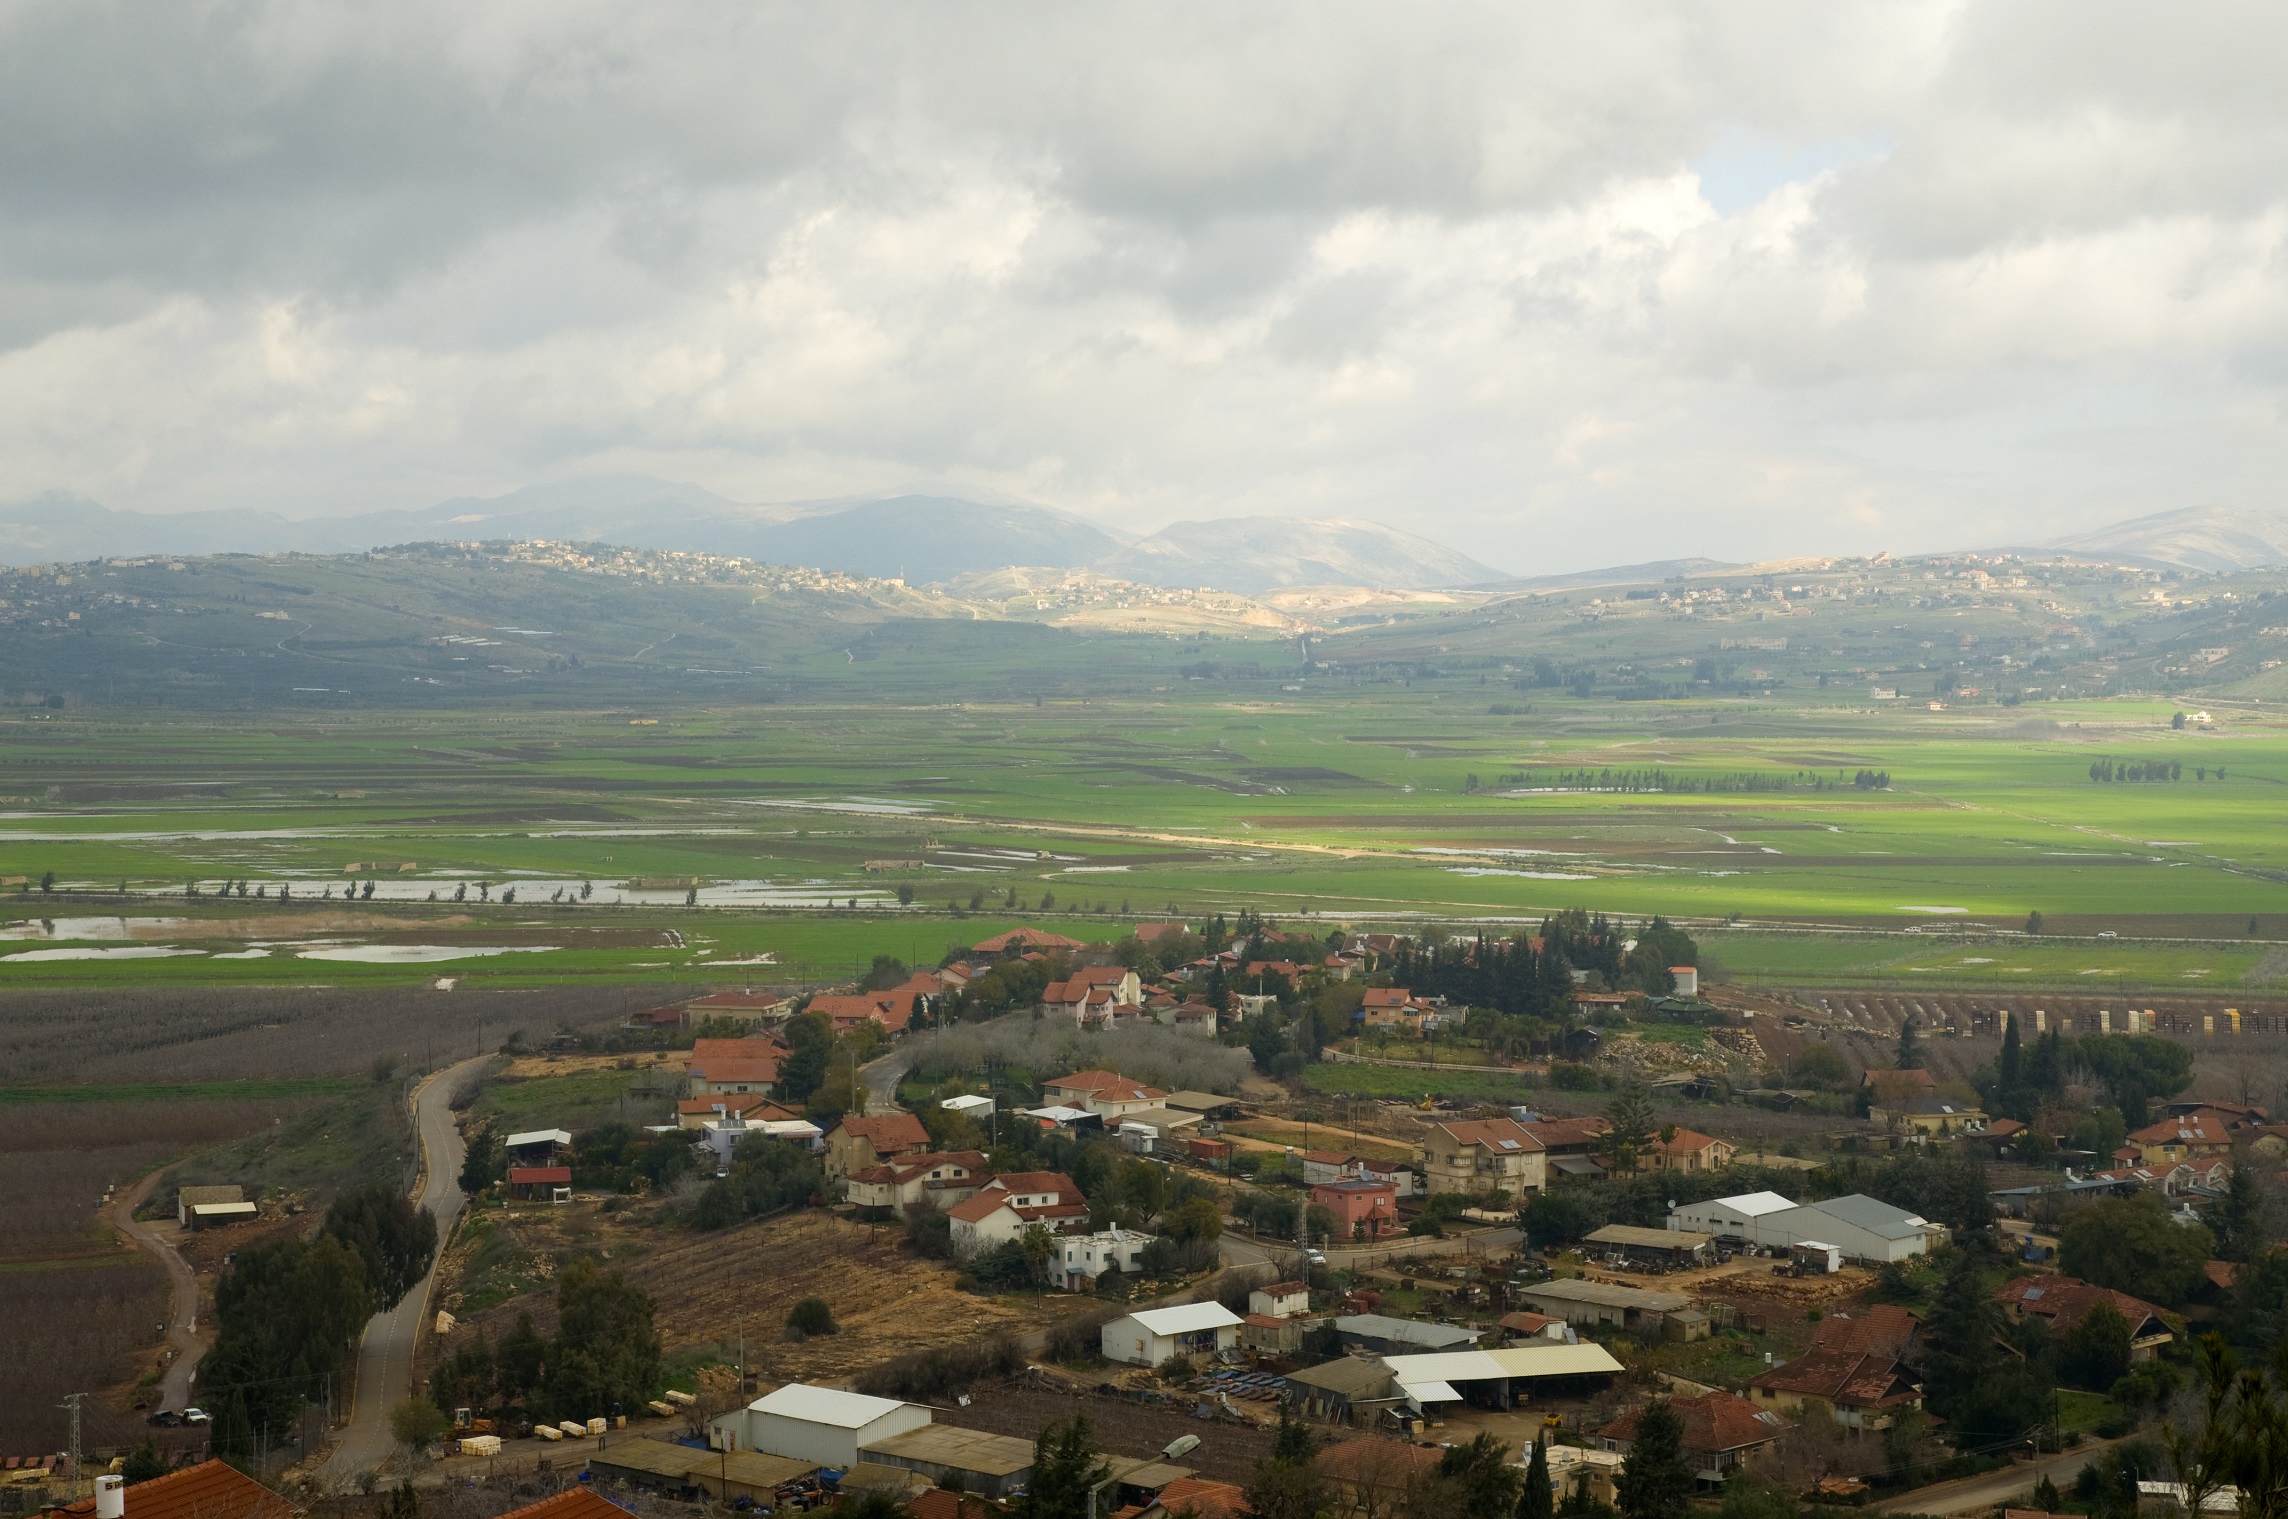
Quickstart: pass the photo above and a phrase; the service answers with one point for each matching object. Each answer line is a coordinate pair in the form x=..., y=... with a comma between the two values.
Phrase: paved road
x=183, y=1335
x=1979, y=1494
x=882, y=1075
x=385, y=1355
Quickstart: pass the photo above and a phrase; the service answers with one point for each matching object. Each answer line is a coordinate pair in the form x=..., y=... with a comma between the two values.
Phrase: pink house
x=1362, y=1209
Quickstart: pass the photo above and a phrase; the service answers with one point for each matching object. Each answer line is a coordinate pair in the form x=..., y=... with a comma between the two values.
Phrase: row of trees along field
x=289, y=1312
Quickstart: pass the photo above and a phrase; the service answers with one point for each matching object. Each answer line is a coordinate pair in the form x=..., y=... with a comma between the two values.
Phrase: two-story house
x=939, y=1179
x=1483, y=1155
x=1006, y=1206
x=859, y=1141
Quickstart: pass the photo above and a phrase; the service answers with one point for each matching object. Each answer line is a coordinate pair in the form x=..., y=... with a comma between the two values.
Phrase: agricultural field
x=293, y=1094
x=790, y=845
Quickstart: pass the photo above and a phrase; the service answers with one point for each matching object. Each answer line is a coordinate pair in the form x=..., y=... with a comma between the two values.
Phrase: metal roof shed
x=824, y=1425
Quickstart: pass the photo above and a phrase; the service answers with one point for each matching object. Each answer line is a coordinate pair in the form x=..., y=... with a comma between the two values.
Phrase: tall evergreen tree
x=1656, y=1481
x=1288, y=1484
x=1910, y=1055
x=2238, y=1218
x=1538, y=1500
x=1064, y=1469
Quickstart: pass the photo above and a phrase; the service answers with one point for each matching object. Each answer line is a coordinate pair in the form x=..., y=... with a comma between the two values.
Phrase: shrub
x=812, y=1316
x=418, y=1423
x=936, y=1375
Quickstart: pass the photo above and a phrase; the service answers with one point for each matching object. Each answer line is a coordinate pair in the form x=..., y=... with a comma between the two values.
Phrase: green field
x=1477, y=766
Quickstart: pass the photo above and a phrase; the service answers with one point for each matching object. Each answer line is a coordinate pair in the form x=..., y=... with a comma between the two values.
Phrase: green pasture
x=1356, y=806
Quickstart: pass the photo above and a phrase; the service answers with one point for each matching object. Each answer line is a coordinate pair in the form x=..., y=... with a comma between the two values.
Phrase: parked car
x=194, y=1416
x=165, y=1418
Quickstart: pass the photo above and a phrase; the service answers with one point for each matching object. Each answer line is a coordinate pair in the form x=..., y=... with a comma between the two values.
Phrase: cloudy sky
x=1558, y=284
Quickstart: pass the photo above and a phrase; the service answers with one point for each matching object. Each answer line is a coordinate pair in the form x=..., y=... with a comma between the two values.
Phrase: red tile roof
x=944, y=1503
x=752, y=1105
x=573, y=1503
x=209, y=1490
x=889, y=1133
x=1713, y=1422
x=1491, y=1133
x=1567, y=1133
x=1107, y=1086
x=1209, y=1500
x=1687, y=1141
x=2066, y=1300
x=1844, y=1378
x=2207, y=1127
x=1879, y=1329
x=1371, y=1458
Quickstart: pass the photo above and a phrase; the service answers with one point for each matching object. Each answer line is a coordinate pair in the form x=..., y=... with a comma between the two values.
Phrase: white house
x=1082, y=1258
x=821, y=1424
x=1007, y=1205
x=971, y=1106
x=1732, y=1218
x=1280, y=1300
x=1156, y=1336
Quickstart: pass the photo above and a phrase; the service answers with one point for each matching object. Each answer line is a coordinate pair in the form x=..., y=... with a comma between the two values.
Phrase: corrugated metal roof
x=824, y=1405
x=1189, y=1318
x=1518, y=1361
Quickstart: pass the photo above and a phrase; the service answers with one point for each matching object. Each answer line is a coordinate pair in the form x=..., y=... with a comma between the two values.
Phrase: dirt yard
x=710, y=1288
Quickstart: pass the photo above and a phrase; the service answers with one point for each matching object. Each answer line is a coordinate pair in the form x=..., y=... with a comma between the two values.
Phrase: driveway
x=183, y=1336
x=385, y=1355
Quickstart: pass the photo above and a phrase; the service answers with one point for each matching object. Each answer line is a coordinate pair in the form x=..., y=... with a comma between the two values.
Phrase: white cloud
x=1558, y=284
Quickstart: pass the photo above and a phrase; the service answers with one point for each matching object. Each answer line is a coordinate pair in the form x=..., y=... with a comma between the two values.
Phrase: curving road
x=183, y=1336
x=385, y=1355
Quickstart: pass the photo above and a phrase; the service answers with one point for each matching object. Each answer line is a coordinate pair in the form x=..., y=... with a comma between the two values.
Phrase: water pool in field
x=129, y=952
x=418, y=954
x=91, y=928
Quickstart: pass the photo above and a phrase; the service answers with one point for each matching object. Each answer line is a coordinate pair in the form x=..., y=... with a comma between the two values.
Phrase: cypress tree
x=1539, y=1499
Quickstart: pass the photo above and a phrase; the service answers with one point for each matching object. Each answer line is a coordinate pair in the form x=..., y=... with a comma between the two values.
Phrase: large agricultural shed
x=1584, y=1302
x=727, y=1476
x=1490, y=1378
x=1862, y=1227
x=821, y=1425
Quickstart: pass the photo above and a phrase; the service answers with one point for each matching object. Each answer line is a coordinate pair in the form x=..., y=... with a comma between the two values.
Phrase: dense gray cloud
x=1557, y=284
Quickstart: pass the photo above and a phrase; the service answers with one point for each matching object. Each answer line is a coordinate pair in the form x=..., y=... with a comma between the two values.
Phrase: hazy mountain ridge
x=923, y=539
x=2216, y=540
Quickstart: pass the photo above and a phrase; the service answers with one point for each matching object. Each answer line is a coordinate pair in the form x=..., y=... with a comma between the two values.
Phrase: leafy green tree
x=810, y=1040
x=2094, y=1354
x=518, y=1363
x=1655, y=1481
x=143, y=1463
x=1988, y=1396
x=1288, y=1483
x=394, y=1238
x=607, y=1353
x=1750, y=1495
x=1559, y=1216
x=466, y=1377
x=2134, y=1069
x=418, y=1423
x=2132, y=1245
x=1536, y=1498
x=287, y=1314
x=1476, y=1481
x=1065, y=1468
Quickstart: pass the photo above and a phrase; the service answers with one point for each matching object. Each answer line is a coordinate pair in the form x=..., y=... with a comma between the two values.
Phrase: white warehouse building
x=1730, y=1218
x=1863, y=1228
x=821, y=1424
x=1156, y=1336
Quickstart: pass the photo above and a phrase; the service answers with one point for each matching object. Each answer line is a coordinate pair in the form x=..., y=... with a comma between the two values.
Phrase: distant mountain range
x=921, y=539
x=2212, y=539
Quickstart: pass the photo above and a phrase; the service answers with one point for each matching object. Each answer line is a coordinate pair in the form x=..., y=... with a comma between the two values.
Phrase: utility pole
x=71, y=1404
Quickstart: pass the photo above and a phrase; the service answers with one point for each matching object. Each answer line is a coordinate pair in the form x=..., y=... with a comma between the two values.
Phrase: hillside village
x=868, y=1246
